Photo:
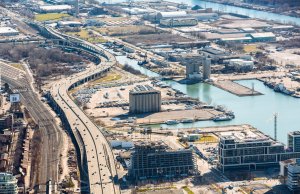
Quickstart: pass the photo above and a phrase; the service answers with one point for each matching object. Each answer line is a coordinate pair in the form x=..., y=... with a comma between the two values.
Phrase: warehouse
x=144, y=99
x=262, y=37
x=8, y=31
x=177, y=22
x=54, y=8
x=175, y=14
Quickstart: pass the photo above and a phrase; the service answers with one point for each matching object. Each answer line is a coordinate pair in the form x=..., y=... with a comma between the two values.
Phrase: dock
x=235, y=88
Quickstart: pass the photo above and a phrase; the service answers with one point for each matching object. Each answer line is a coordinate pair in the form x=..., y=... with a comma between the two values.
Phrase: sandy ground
x=160, y=117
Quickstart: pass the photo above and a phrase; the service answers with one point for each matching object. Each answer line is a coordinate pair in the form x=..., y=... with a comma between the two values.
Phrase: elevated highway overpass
x=95, y=157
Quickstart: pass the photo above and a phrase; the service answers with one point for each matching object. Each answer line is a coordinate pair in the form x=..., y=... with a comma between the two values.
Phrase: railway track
x=51, y=139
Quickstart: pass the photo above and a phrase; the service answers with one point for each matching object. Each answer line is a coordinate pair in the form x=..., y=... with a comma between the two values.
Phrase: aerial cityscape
x=149, y=96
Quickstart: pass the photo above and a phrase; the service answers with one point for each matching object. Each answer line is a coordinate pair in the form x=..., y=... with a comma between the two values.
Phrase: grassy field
x=50, y=16
x=84, y=34
x=250, y=48
x=207, y=139
x=188, y=190
x=112, y=76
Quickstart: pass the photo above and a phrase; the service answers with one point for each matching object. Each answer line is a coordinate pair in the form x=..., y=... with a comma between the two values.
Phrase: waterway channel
x=257, y=111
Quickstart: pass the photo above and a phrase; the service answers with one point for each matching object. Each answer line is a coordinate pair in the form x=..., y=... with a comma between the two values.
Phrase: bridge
x=96, y=161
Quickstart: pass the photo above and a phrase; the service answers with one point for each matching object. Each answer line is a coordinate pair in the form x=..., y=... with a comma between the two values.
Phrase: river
x=257, y=111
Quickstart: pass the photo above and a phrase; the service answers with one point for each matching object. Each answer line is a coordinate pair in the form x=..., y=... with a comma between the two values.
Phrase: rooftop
x=262, y=35
x=243, y=136
x=4, y=30
x=143, y=89
x=55, y=7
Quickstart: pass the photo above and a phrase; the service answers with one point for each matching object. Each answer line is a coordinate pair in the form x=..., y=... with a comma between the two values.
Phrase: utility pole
x=275, y=126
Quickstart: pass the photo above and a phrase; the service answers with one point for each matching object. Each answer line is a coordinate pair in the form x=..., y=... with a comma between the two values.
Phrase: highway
x=101, y=170
x=51, y=133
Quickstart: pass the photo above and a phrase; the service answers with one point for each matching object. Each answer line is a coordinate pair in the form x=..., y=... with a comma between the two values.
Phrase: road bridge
x=97, y=164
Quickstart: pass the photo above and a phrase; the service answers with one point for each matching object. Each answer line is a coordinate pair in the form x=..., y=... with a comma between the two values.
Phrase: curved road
x=101, y=168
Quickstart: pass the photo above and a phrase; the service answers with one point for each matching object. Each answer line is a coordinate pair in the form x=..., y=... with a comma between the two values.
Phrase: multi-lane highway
x=100, y=169
x=51, y=133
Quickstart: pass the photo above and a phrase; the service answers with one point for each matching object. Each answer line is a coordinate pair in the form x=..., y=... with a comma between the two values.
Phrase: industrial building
x=193, y=71
x=8, y=184
x=144, y=99
x=262, y=37
x=69, y=24
x=206, y=64
x=177, y=22
x=8, y=31
x=241, y=65
x=54, y=8
x=168, y=15
x=155, y=160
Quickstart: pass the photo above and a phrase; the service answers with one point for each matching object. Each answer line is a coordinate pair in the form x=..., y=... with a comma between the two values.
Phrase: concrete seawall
x=235, y=88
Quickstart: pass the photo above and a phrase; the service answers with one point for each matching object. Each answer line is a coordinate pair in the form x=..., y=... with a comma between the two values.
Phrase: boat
x=142, y=62
x=171, y=122
x=222, y=118
x=187, y=121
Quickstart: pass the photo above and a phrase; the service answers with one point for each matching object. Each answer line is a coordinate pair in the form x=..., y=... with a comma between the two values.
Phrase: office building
x=249, y=150
x=144, y=99
x=294, y=141
x=8, y=184
x=155, y=160
x=293, y=176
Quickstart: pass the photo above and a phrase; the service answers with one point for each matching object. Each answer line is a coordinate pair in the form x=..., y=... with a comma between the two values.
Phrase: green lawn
x=50, y=16
x=84, y=34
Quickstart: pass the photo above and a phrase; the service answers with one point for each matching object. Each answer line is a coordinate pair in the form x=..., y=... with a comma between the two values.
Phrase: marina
x=257, y=111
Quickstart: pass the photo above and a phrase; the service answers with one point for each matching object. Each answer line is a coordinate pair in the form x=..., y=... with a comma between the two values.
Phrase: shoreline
x=250, y=7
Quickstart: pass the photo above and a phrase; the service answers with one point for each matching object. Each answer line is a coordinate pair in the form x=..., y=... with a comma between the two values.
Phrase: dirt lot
x=127, y=30
x=154, y=39
x=250, y=23
x=160, y=117
x=285, y=57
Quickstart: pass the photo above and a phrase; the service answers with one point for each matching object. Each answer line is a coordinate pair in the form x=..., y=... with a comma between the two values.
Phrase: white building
x=54, y=8
x=172, y=14
x=69, y=24
x=8, y=31
x=241, y=65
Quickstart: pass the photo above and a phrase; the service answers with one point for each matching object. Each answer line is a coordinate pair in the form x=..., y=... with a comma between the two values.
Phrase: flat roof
x=262, y=35
x=55, y=7
x=143, y=89
x=238, y=38
x=4, y=30
x=243, y=136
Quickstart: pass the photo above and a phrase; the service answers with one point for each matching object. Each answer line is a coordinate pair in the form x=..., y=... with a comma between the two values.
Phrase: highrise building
x=8, y=184
x=155, y=160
